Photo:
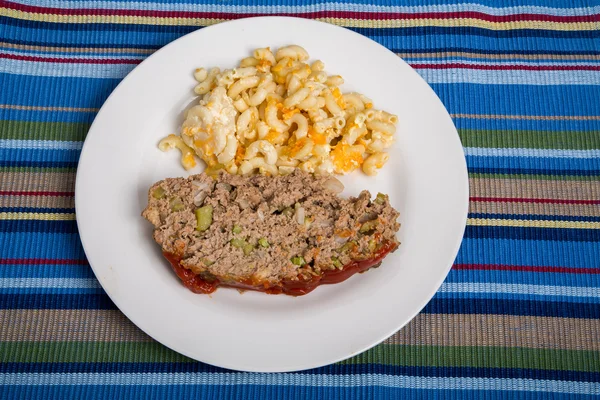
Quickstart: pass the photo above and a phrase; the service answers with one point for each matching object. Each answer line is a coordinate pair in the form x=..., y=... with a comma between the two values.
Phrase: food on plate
x=276, y=112
x=281, y=234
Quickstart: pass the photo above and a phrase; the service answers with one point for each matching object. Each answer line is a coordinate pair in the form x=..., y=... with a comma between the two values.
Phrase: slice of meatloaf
x=275, y=234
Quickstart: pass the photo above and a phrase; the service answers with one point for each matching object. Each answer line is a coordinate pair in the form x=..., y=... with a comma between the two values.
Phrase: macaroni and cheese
x=276, y=112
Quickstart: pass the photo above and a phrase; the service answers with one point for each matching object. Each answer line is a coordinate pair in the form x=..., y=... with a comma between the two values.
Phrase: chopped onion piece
x=334, y=185
x=300, y=215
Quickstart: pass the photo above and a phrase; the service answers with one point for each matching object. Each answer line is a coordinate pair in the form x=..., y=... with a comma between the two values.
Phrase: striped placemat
x=518, y=315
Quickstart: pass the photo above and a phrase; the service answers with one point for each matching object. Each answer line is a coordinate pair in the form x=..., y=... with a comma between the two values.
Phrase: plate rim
x=374, y=342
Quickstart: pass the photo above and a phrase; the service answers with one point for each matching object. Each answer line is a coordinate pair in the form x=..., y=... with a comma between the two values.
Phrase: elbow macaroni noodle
x=276, y=112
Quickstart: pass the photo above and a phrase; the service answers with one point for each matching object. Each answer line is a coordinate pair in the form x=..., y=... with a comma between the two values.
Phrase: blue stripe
x=44, y=227
x=75, y=28
x=528, y=252
x=55, y=91
x=454, y=36
x=473, y=31
x=436, y=306
x=546, y=298
x=95, y=36
x=38, y=164
x=521, y=277
x=409, y=38
x=40, y=245
x=582, y=166
x=273, y=392
x=492, y=232
x=493, y=276
x=432, y=48
x=553, y=234
x=511, y=307
x=455, y=276
x=34, y=156
x=576, y=100
x=56, y=301
x=335, y=369
x=472, y=251
x=536, y=217
x=582, y=99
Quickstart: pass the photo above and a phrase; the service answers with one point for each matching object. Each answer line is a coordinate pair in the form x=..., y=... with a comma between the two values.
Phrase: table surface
x=518, y=315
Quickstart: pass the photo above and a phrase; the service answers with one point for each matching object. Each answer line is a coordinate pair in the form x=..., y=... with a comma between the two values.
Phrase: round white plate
x=426, y=179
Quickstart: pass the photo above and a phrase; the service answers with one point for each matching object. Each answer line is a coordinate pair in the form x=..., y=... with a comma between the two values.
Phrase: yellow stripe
x=40, y=108
x=463, y=22
x=533, y=224
x=21, y=216
x=83, y=49
x=349, y=22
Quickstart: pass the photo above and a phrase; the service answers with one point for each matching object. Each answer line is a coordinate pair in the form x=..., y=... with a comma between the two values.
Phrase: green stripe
x=28, y=130
x=76, y=131
x=480, y=357
x=535, y=177
x=65, y=352
x=577, y=140
x=397, y=355
x=572, y=140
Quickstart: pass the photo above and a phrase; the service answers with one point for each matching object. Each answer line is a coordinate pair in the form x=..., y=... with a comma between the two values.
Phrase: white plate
x=426, y=179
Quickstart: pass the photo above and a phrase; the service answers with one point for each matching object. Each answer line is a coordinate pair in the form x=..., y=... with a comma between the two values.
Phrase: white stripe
x=453, y=75
x=459, y=287
x=489, y=152
x=220, y=7
x=510, y=288
x=299, y=379
x=49, y=283
x=104, y=71
x=534, y=63
x=508, y=77
x=40, y=144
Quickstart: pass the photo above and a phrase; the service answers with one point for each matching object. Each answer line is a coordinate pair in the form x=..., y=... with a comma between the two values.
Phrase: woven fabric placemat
x=518, y=315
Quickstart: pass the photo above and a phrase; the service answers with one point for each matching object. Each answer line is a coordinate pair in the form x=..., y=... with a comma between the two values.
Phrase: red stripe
x=525, y=268
x=71, y=60
x=523, y=200
x=41, y=261
x=509, y=67
x=317, y=14
x=17, y=193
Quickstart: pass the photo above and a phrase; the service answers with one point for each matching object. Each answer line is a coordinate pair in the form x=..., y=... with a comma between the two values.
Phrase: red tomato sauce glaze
x=293, y=288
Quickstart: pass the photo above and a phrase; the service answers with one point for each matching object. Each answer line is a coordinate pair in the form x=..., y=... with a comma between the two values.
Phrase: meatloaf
x=281, y=234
